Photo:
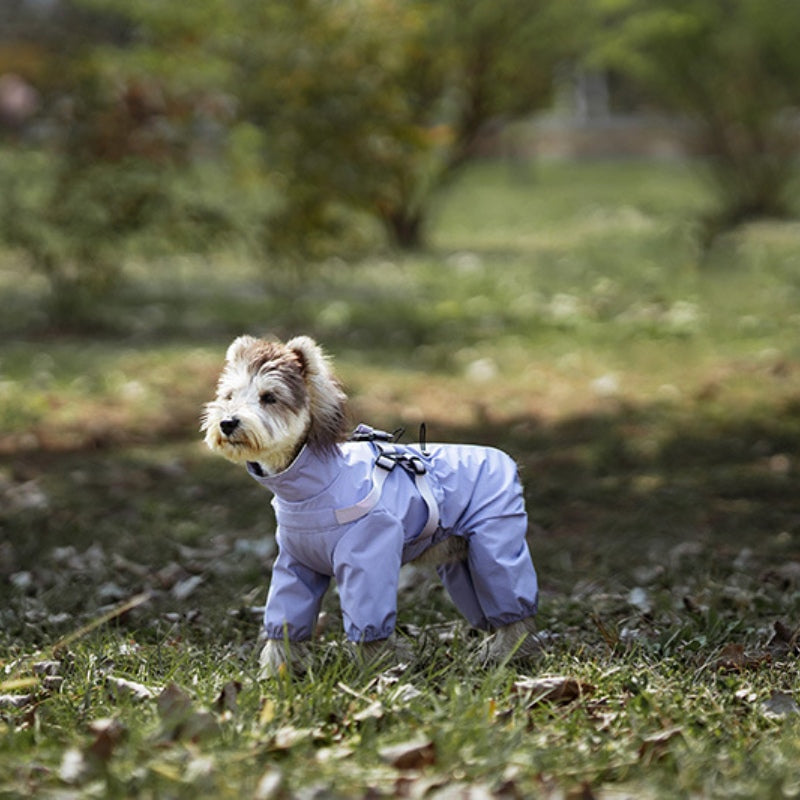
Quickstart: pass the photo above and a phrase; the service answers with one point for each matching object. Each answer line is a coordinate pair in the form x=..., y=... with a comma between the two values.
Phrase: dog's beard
x=270, y=439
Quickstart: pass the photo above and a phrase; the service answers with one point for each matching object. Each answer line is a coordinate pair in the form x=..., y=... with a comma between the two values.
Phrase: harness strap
x=388, y=458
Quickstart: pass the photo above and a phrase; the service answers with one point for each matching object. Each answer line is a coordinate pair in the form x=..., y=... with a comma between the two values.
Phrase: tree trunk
x=405, y=228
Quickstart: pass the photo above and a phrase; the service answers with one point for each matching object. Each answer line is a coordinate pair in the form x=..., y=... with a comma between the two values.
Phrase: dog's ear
x=238, y=346
x=325, y=394
x=313, y=361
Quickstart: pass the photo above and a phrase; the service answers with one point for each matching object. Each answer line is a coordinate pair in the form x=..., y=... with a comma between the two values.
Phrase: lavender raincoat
x=339, y=515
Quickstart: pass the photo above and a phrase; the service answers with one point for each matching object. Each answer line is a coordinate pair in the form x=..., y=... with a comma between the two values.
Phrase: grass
x=650, y=394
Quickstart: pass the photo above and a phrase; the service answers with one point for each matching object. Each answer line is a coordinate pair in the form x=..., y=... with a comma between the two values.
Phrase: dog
x=357, y=509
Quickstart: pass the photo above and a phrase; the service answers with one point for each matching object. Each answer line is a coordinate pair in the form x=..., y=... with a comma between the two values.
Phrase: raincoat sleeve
x=293, y=602
x=367, y=563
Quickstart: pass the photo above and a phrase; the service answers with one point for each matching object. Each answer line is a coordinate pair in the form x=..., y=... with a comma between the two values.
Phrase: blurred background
x=567, y=228
x=297, y=133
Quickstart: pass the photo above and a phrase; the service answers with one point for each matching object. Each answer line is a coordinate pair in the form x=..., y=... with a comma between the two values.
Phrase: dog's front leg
x=278, y=656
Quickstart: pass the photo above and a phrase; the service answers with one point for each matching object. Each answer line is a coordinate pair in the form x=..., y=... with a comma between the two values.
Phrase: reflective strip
x=384, y=464
x=433, y=508
x=363, y=507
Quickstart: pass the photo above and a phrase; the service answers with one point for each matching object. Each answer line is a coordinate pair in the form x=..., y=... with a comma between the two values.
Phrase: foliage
x=732, y=67
x=368, y=107
x=115, y=136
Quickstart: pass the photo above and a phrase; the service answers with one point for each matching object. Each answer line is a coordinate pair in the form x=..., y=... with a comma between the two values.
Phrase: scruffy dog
x=358, y=509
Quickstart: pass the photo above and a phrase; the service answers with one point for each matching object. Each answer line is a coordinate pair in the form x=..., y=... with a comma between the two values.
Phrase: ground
x=650, y=392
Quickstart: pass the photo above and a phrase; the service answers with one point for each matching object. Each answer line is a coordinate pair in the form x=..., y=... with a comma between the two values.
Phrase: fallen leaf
x=784, y=640
x=639, y=598
x=173, y=704
x=182, y=589
x=228, y=697
x=269, y=785
x=108, y=733
x=779, y=705
x=73, y=766
x=16, y=700
x=415, y=754
x=374, y=710
x=654, y=745
x=47, y=668
x=287, y=737
x=553, y=689
x=461, y=791
x=180, y=719
x=733, y=658
x=198, y=725
x=337, y=753
x=122, y=686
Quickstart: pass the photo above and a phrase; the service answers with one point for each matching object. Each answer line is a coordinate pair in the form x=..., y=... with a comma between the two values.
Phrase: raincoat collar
x=308, y=476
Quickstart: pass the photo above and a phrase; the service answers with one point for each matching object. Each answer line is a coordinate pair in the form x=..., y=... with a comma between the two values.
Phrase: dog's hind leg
x=448, y=551
x=518, y=640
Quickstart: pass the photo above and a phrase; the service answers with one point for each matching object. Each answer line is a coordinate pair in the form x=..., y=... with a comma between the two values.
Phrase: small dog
x=358, y=509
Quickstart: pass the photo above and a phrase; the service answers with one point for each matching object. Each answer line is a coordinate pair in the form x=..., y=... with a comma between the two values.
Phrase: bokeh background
x=563, y=228
x=567, y=228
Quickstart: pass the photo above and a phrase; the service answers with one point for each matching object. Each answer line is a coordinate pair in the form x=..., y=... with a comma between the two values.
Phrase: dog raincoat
x=341, y=515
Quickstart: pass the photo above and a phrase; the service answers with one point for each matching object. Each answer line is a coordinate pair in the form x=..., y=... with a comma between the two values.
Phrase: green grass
x=649, y=392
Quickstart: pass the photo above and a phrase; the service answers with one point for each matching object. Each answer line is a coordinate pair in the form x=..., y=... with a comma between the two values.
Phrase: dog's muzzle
x=229, y=425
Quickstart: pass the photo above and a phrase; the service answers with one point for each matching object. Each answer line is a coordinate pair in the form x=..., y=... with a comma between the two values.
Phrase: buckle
x=416, y=465
x=386, y=462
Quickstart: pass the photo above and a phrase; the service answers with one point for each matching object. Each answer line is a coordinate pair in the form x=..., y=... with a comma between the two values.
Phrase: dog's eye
x=267, y=398
x=228, y=396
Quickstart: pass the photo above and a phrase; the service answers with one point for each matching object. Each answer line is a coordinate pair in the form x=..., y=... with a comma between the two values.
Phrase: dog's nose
x=229, y=425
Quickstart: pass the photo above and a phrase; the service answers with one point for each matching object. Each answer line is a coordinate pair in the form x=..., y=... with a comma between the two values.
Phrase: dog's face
x=271, y=399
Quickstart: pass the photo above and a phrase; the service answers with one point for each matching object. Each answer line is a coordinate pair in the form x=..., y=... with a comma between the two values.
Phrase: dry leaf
x=287, y=737
x=784, y=640
x=553, y=689
x=198, y=725
x=14, y=701
x=47, y=668
x=182, y=589
x=780, y=705
x=173, y=703
x=374, y=710
x=122, y=686
x=108, y=733
x=228, y=697
x=269, y=785
x=73, y=766
x=410, y=755
x=461, y=791
x=180, y=719
x=654, y=746
x=733, y=657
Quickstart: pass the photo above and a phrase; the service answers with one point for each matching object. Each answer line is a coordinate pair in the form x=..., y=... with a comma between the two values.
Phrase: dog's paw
x=385, y=652
x=518, y=640
x=277, y=657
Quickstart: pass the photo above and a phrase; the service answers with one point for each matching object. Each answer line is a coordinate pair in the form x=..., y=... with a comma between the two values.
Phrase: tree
x=117, y=125
x=734, y=67
x=366, y=108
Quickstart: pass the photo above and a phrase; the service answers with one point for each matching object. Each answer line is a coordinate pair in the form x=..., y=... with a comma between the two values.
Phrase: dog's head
x=272, y=398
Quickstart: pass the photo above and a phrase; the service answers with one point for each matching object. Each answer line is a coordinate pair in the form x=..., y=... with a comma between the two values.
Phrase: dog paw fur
x=518, y=640
x=278, y=657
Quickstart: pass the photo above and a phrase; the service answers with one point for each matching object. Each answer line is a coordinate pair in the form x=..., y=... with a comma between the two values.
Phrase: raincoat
x=341, y=515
